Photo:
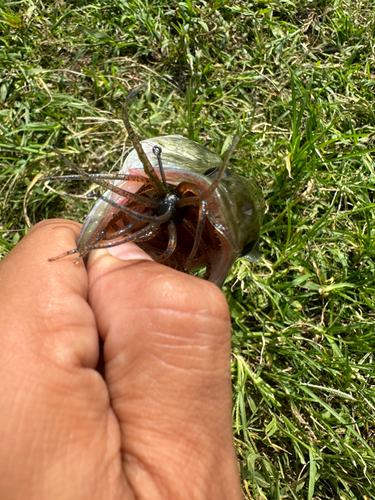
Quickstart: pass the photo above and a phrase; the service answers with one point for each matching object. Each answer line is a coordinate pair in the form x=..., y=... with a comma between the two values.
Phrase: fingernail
x=128, y=251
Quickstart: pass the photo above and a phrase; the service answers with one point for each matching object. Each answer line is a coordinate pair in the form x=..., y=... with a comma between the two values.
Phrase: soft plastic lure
x=178, y=201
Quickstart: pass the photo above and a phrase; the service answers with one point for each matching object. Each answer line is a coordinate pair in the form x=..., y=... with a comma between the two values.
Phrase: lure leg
x=183, y=188
x=149, y=169
x=187, y=187
x=121, y=232
x=111, y=177
x=192, y=231
x=149, y=230
x=65, y=254
x=147, y=218
x=172, y=243
x=157, y=152
x=101, y=182
x=198, y=233
x=178, y=258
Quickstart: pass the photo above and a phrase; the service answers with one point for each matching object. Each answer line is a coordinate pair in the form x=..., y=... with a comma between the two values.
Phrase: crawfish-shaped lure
x=177, y=201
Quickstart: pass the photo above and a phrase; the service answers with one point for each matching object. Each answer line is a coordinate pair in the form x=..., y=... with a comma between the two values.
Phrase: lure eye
x=214, y=170
x=210, y=171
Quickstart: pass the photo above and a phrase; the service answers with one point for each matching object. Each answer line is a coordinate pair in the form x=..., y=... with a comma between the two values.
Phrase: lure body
x=234, y=211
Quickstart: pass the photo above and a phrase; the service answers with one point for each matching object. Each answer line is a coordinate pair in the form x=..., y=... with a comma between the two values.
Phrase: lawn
x=296, y=80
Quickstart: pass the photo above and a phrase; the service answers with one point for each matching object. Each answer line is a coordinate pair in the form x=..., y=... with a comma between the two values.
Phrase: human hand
x=158, y=425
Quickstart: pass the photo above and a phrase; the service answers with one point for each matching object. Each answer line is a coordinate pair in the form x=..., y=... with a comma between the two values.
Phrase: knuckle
x=175, y=290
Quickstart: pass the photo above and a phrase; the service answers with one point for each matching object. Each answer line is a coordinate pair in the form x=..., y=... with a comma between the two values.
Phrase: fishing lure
x=177, y=201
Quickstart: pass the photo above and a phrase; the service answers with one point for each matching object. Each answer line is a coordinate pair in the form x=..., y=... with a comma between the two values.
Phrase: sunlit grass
x=296, y=80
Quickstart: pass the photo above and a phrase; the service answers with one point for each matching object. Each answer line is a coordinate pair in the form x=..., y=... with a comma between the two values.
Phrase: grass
x=296, y=80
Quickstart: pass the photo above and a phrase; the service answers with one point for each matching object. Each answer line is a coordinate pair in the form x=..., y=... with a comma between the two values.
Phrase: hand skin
x=158, y=425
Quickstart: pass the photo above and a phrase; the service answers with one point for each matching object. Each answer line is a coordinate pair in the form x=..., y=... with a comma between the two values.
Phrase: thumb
x=167, y=368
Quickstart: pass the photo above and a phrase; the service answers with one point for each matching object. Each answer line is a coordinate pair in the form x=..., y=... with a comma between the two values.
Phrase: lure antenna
x=222, y=170
x=149, y=169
